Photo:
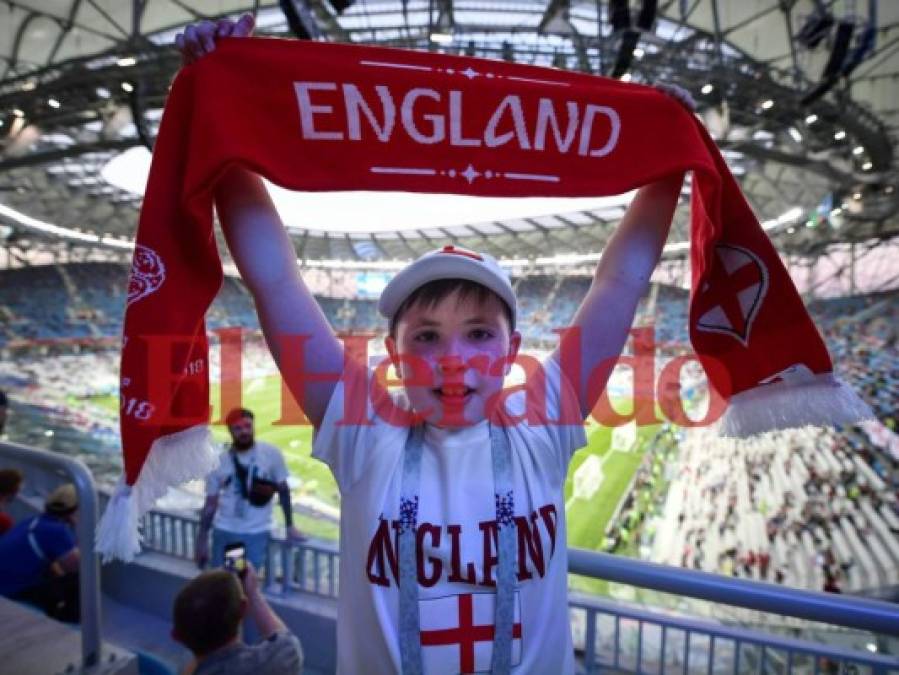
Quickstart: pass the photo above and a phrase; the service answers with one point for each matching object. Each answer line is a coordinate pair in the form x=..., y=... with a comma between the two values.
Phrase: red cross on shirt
x=465, y=635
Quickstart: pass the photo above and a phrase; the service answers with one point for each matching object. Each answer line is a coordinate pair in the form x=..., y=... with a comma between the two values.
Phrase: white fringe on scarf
x=172, y=460
x=801, y=399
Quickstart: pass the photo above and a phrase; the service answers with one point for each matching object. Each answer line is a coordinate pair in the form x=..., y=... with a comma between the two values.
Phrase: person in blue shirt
x=39, y=558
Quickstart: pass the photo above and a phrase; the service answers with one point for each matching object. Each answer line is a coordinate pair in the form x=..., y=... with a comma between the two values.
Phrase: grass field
x=587, y=516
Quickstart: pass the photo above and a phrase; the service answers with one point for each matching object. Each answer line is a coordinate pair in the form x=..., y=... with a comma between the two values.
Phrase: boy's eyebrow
x=425, y=322
x=480, y=319
x=429, y=323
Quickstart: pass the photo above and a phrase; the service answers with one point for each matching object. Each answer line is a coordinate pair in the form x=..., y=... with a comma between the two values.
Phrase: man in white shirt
x=239, y=496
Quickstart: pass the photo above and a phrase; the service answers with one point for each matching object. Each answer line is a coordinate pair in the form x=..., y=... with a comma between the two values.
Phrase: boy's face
x=454, y=356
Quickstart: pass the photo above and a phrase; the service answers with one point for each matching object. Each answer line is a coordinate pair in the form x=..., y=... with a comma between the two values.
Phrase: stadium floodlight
x=839, y=136
x=568, y=259
x=811, y=119
x=53, y=103
x=767, y=104
x=792, y=214
x=382, y=265
x=677, y=246
x=441, y=38
x=126, y=62
x=638, y=53
x=625, y=78
x=867, y=166
x=857, y=196
x=857, y=150
x=794, y=134
x=707, y=88
x=128, y=87
x=442, y=29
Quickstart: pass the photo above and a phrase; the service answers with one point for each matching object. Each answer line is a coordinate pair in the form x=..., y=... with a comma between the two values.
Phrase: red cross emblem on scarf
x=457, y=633
x=729, y=301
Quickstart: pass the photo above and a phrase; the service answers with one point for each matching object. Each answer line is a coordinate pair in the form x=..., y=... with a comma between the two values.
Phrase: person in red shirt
x=10, y=482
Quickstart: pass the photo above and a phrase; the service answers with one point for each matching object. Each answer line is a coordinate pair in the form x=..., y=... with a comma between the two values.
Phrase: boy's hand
x=677, y=93
x=199, y=39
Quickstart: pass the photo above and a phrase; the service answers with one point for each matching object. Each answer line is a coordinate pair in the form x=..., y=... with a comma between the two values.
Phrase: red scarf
x=312, y=116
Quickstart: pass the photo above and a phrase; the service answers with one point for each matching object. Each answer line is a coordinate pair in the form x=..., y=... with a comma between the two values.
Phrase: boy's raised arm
x=620, y=280
x=622, y=275
x=288, y=313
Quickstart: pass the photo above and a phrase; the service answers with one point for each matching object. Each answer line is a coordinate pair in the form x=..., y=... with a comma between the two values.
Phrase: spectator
x=207, y=616
x=239, y=495
x=830, y=582
x=10, y=482
x=39, y=558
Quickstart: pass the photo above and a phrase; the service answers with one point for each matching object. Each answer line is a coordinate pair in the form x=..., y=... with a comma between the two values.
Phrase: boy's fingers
x=678, y=93
x=244, y=26
x=225, y=27
x=206, y=32
x=180, y=42
x=191, y=42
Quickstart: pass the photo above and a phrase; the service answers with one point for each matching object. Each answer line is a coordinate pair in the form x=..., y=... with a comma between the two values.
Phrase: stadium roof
x=84, y=81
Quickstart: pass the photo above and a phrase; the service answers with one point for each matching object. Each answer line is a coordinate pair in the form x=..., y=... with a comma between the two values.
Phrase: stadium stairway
x=33, y=644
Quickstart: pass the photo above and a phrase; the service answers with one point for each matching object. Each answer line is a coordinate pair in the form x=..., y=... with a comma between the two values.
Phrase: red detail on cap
x=449, y=248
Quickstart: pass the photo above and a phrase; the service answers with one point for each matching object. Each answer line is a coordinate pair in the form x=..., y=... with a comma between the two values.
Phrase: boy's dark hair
x=238, y=414
x=433, y=292
x=10, y=482
x=207, y=611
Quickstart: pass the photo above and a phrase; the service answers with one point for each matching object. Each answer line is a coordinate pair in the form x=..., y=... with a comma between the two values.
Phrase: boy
x=452, y=486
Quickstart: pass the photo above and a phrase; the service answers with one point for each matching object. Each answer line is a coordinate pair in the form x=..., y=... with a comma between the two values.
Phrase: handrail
x=718, y=634
x=842, y=610
x=89, y=573
x=836, y=609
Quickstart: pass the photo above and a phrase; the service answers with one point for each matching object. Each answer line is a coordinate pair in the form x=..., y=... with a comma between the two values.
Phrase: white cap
x=449, y=262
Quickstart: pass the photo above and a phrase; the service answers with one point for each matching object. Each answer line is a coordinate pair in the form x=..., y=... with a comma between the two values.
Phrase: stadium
x=689, y=551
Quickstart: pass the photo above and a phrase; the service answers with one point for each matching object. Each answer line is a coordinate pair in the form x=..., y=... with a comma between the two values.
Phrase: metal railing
x=311, y=567
x=636, y=640
x=50, y=469
x=632, y=628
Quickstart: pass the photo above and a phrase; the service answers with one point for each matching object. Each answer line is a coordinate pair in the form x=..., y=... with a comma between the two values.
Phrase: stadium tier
x=797, y=508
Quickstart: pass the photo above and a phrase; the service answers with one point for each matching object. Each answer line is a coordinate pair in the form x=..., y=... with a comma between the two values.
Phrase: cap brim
x=439, y=267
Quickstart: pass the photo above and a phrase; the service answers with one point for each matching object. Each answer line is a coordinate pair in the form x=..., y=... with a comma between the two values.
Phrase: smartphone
x=236, y=558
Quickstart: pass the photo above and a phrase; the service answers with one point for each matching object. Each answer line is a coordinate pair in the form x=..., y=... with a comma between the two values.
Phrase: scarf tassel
x=172, y=460
x=801, y=398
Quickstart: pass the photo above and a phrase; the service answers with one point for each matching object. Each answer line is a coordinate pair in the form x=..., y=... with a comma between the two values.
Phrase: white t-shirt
x=234, y=513
x=457, y=538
